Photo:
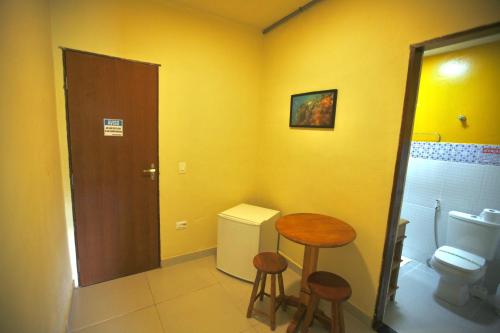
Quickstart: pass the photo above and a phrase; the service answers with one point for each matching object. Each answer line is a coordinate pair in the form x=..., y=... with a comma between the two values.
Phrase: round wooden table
x=314, y=231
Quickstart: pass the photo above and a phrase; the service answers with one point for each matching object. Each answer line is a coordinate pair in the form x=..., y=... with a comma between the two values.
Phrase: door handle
x=151, y=171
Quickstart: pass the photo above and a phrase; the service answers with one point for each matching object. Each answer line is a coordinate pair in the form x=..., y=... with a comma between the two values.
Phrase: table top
x=315, y=230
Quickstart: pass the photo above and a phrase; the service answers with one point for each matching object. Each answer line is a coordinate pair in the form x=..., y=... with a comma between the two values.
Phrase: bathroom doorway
x=442, y=265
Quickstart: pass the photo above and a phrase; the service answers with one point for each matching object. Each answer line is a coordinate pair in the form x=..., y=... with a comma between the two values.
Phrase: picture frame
x=315, y=109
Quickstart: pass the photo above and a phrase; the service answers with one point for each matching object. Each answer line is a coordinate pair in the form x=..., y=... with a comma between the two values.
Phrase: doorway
x=393, y=239
x=112, y=125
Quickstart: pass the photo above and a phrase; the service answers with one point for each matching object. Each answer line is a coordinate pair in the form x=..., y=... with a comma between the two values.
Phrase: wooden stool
x=332, y=288
x=274, y=264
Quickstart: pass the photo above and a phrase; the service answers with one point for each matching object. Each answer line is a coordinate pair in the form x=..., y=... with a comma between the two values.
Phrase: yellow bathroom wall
x=209, y=98
x=360, y=48
x=463, y=82
x=35, y=275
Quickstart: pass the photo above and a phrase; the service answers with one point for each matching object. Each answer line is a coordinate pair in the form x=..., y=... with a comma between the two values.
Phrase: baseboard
x=358, y=314
x=293, y=265
x=348, y=306
x=188, y=257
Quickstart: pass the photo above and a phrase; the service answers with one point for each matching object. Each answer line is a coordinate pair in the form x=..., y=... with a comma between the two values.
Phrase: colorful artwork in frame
x=313, y=109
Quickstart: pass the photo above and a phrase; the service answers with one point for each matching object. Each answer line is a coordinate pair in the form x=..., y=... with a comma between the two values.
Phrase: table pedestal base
x=300, y=314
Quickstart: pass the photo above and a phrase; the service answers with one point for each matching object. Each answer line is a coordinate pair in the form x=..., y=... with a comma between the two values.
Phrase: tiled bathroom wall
x=457, y=152
x=463, y=177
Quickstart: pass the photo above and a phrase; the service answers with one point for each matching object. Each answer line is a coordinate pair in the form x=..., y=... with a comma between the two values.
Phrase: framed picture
x=313, y=109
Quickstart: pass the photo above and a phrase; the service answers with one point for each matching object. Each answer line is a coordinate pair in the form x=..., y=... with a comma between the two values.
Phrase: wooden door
x=112, y=117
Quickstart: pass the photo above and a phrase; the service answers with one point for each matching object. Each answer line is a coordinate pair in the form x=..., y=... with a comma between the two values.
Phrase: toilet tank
x=473, y=234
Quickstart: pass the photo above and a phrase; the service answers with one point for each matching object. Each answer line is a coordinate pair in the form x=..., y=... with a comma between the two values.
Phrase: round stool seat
x=270, y=262
x=329, y=286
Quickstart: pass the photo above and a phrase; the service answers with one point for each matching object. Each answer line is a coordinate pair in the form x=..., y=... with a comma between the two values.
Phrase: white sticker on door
x=113, y=127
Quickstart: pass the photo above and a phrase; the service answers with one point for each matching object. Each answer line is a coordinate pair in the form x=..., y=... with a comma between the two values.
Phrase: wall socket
x=181, y=225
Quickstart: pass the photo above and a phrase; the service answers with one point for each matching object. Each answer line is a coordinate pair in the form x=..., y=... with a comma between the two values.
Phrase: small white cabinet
x=244, y=231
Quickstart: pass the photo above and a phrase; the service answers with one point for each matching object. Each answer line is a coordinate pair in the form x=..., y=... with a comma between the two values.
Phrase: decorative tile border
x=456, y=152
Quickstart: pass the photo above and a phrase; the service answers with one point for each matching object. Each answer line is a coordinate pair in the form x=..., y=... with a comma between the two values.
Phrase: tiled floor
x=192, y=297
x=417, y=310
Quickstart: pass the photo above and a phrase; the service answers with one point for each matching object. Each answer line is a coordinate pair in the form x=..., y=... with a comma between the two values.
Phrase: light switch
x=182, y=167
x=181, y=225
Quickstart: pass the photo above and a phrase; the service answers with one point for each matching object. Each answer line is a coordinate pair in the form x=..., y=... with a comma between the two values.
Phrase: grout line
x=150, y=289
x=111, y=318
x=159, y=318
x=183, y=295
x=217, y=282
x=119, y=315
x=154, y=303
x=187, y=293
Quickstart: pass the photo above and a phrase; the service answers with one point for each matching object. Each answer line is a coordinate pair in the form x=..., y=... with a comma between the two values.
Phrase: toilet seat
x=459, y=259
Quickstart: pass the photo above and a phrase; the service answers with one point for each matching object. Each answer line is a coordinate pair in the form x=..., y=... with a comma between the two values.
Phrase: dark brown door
x=112, y=113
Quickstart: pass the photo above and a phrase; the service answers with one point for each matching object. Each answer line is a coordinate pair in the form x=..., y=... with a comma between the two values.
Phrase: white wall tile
x=419, y=244
x=424, y=181
x=462, y=185
x=489, y=196
x=459, y=186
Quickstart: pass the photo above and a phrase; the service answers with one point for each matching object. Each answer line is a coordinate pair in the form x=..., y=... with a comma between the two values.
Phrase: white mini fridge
x=244, y=231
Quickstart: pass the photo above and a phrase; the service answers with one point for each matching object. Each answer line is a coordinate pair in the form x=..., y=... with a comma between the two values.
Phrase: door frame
x=403, y=154
x=68, y=142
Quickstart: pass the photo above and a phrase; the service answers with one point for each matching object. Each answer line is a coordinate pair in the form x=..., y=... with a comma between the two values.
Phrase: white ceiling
x=258, y=13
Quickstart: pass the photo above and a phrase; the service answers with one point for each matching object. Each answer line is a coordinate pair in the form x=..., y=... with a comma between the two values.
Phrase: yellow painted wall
x=35, y=276
x=218, y=111
x=209, y=100
x=443, y=97
x=362, y=49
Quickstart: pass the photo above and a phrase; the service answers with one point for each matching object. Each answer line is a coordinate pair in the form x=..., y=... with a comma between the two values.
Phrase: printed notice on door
x=113, y=127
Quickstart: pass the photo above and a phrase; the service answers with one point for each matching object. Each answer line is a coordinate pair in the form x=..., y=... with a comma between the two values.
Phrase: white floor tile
x=110, y=299
x=141, y=321
x=202, y=311
x=416, y=309
x=190, y=297
x=174, y=281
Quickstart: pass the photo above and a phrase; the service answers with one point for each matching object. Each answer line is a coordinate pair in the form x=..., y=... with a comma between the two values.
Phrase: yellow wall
x=442, y=98
x=35, y=277
x=362, y=49
x=218, y=111
x=209, y=98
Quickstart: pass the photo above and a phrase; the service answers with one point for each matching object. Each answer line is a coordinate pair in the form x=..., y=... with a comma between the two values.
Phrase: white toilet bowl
x=457, y=269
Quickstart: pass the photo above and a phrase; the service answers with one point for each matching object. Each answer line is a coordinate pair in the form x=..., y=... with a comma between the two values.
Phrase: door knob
x=151, y=171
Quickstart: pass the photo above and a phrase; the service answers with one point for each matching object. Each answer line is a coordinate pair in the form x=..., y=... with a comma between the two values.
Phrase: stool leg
x=273, y=302
x=282, y=291
x=335, y=318
x=263, y=286
x=341, y=318
x=254, y=293
x=311, y=308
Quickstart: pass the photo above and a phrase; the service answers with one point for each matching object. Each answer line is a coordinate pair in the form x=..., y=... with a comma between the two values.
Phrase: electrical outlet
x=181, y=225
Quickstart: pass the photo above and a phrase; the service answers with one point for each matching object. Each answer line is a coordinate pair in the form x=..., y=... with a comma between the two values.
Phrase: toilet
x=472, y=241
